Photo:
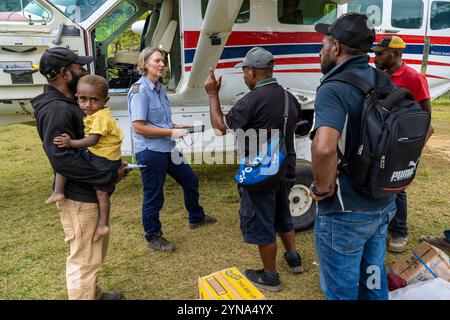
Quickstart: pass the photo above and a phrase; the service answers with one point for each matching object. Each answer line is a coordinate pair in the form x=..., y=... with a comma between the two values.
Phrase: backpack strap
x=354, y=80
x=399, y=93
x=286, y=112
x=363, y=86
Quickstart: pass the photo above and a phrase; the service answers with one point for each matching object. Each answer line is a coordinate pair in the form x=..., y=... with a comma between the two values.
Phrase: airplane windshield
x=77, y=10
x=23, y=10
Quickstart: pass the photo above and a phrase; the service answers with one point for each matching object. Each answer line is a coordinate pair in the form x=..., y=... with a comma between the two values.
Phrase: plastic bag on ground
x=433, y=289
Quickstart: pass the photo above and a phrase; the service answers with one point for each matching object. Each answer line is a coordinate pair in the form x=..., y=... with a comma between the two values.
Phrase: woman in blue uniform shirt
x=153, y=137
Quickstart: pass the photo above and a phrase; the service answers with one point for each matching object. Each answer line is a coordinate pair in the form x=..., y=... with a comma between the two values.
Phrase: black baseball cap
x=54, y=59
x=352, y=29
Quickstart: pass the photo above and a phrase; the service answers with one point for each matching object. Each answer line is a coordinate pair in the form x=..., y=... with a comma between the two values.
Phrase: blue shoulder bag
x=265, y=171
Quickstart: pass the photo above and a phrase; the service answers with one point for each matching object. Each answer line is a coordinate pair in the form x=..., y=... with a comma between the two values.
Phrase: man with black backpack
x=351, y=227
x=263, y=214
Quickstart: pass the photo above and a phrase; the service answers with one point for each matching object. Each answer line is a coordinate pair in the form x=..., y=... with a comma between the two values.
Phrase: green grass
x=33, y=253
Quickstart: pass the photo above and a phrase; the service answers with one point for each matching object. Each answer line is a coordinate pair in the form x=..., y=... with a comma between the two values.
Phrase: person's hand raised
x=212, y=86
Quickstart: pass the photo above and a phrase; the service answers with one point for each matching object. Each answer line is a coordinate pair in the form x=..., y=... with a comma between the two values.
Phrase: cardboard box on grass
x=227, y=284
x=426, y=262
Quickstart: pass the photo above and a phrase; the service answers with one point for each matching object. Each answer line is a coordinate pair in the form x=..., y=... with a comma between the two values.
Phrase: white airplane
x=198, y=34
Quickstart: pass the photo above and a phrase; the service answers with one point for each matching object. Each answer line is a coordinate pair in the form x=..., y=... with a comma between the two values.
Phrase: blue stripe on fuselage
x=240, y=52
x=440, y=50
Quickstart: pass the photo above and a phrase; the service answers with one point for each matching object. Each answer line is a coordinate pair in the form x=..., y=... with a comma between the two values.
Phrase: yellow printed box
x=227, y=284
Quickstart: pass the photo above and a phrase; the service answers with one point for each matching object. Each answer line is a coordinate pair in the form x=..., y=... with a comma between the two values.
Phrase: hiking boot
x=207, y=220
x=441, y=243
x=261, y=279
x=159, y=243
x=111, y=295
x=295, y=264
x=398, y=244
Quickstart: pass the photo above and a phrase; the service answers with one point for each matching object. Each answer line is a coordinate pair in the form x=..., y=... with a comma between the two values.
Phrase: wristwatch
x=317, y=193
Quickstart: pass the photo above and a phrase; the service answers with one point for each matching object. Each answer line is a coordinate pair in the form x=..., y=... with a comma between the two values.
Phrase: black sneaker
x=111, y=295
x=207, y=220
x=294, y=264
x=159, y=243
x=260, y=279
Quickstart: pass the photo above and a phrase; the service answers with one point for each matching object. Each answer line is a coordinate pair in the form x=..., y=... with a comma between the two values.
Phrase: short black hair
x=349, y=50
x=96, y=81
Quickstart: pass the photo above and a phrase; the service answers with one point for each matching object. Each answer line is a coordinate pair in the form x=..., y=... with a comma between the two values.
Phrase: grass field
x=33, y=252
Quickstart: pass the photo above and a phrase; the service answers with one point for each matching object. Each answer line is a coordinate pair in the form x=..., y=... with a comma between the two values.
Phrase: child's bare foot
x=102, y=230
x=55, y=197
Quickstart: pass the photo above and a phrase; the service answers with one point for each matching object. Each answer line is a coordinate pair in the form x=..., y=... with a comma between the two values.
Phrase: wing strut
x=217, y=25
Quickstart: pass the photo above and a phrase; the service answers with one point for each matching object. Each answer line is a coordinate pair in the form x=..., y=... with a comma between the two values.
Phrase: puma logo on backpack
x=405, y=174
x=392, y=136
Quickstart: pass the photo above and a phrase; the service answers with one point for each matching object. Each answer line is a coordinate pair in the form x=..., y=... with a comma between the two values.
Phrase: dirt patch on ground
x=439, y=144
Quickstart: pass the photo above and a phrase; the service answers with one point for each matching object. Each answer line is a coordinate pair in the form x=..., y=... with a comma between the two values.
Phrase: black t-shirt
x=263, y=108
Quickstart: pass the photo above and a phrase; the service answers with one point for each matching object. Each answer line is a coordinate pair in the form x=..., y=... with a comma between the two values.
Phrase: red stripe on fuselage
x=249, y=38
x=412, y=61
x=298, y=71
x=245, y=38
x=418, y=39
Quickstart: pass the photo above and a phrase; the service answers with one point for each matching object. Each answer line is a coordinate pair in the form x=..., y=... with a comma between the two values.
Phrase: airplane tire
x=302, y=206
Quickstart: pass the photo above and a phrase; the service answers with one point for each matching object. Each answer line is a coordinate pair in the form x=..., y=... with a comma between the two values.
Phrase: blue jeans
x=158, y=165
x=351, y=247
x=398, y=227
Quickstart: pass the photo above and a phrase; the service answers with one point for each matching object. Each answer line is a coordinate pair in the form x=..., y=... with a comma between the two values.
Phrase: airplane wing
x=217, y=26
x=213, y=37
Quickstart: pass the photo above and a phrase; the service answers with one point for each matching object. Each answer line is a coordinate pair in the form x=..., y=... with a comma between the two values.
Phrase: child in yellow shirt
x=103, y=138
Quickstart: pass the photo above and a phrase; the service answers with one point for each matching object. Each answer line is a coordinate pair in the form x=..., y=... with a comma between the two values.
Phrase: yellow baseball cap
x=392, y=42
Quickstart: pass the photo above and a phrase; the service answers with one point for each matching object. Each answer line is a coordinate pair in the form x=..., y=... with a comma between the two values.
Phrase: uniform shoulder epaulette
x=135, y=87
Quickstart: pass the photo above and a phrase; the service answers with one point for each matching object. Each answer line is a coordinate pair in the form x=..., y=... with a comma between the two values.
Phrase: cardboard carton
x=426, y=262
x=227, y=284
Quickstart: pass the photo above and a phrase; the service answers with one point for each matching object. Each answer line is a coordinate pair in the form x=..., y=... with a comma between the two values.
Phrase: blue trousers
x=351, y=247
x=158, y=165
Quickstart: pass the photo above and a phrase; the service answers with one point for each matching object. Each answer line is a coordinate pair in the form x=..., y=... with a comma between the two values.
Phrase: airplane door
x=407, y=18
x=27, y=29
x=402, y=17
x=437, y=68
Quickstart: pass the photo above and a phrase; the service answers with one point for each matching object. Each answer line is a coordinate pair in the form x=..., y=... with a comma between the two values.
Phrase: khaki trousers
x=79, y=220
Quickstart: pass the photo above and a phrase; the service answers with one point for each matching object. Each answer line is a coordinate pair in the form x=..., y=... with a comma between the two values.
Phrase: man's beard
x=73, y=83
x=381, y=66
x=325, y=64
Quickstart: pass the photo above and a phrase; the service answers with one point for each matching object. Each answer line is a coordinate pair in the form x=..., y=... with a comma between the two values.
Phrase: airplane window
x=440, y=15
x=114, y=20
x=373, y=9
x=306, y=12
x=243, y=15
x=22, y=11
x=77, y=10
x=407, y=14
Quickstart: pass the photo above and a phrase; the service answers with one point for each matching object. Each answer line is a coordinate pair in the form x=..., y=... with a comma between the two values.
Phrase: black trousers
x=398, y=227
